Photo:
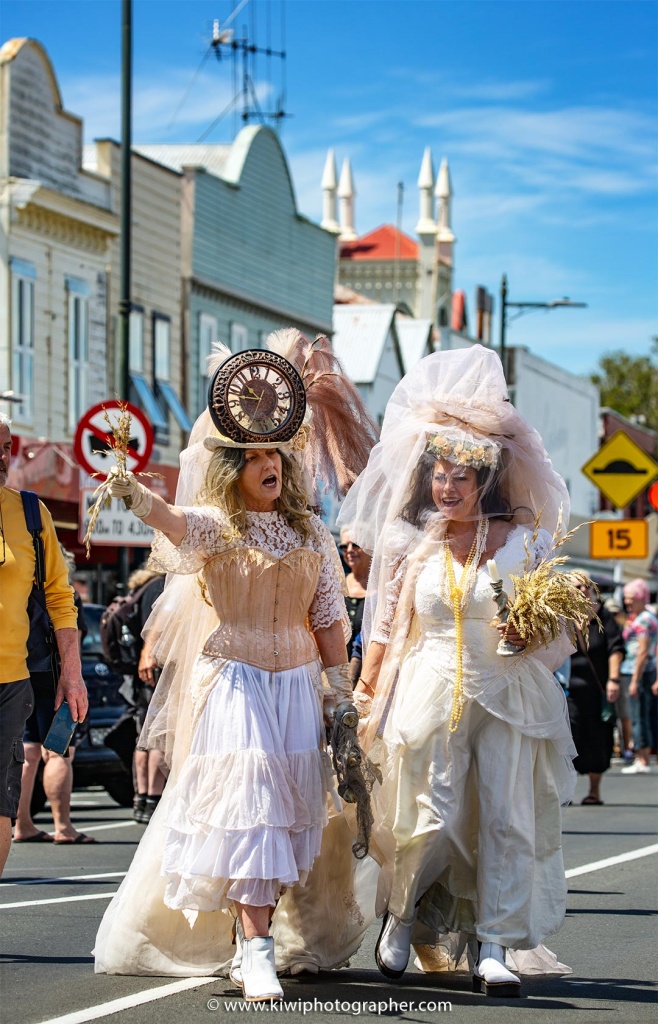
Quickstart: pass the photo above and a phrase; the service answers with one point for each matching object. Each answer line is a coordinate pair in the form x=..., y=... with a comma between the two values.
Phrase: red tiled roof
x=384, y=243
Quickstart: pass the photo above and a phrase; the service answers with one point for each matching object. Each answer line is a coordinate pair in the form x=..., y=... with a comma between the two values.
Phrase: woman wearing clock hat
x=252, y=614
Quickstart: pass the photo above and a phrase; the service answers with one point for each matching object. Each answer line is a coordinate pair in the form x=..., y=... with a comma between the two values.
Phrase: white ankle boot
x=259, y=980
x=491, y=976
x=235, y=970
x=393, y=947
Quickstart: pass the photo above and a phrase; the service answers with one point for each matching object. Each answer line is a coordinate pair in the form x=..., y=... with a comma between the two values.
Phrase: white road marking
x=610, y=862
x=128, y=1002
x=63, y=878
x=59, y=899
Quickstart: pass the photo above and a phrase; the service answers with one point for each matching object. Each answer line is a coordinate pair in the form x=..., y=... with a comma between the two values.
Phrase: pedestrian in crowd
x=358, y=563
x=357, y=659
x=593, y=691
x=638, y=671
x=477, y=747
x=148, y=764
x=58, y=770
x=17, y=570
x=239, y=706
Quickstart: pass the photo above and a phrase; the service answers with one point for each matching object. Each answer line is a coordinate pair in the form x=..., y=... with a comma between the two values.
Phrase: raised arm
x=149, y=507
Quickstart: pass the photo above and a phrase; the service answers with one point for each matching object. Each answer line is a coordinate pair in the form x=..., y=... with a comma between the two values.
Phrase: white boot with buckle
x=259, y=981
x=491, y=976
x=393, y=947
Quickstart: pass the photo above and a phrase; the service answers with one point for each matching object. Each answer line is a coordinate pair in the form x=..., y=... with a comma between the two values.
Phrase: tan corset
x=262, y=603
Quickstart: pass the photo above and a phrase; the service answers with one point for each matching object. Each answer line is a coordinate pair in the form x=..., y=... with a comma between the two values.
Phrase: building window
x=136, y=341
x=161, y=344
x=239, y=337
x=78, y=332
x=207, y=337
x=23, y=276
x=162, y=371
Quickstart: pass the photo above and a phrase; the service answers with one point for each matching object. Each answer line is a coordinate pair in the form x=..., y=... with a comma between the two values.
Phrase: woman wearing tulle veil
x=252, y=615
x=477, y=749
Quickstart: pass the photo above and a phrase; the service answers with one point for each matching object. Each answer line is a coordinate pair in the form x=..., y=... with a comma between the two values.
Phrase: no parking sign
x=93, y=438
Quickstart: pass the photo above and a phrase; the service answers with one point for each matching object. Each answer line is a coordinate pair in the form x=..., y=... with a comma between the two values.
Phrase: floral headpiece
x=465, y=450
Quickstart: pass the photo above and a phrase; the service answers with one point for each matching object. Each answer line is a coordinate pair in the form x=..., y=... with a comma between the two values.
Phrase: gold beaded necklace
x=456, y=595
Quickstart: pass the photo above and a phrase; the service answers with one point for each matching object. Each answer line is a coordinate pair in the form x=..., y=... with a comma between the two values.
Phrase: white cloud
x=97, y=99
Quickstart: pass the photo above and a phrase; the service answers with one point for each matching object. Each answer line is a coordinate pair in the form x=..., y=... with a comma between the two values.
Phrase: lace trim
x=268, y=533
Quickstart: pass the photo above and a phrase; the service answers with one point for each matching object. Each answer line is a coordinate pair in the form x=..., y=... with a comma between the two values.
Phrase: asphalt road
x=609, y=937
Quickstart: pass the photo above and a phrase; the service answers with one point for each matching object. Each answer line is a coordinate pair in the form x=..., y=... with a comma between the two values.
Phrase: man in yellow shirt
x=16, y=578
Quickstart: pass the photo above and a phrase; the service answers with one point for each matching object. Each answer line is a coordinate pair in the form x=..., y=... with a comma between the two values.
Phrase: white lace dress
x=247, y=811
x=242, y=818
x=475, y=814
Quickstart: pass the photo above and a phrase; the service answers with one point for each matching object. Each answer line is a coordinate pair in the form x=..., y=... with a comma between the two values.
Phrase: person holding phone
x=17, y=569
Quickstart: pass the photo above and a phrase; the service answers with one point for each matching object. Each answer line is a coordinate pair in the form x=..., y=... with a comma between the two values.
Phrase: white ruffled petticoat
x=246, y=814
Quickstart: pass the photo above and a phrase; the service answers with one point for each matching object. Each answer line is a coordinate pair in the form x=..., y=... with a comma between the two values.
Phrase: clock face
x=257, y=395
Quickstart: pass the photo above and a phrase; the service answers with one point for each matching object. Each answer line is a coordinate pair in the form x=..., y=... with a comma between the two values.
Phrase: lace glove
x=136, y=496
x=340, y=689
x=363, y=704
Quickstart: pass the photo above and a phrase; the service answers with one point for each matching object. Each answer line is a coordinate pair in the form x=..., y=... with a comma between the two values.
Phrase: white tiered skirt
x=245, y=818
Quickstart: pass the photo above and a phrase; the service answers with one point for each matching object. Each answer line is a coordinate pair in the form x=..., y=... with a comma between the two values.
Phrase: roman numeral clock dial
x=257, y=395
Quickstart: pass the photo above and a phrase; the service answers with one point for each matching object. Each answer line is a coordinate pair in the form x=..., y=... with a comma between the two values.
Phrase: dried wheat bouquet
x=546, y=599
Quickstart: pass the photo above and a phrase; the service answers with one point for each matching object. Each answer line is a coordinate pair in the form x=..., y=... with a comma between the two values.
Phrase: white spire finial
x=444, y=195
x=346, y=193
x=443, y=182
x=329, y=173
x=329, y=222
x=426, y=224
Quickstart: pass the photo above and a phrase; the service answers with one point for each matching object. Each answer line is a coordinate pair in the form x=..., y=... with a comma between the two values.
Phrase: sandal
x=591, y=801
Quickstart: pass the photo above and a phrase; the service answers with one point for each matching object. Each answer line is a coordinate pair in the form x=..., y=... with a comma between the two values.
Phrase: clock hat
x=293, y=396
x=256, y=399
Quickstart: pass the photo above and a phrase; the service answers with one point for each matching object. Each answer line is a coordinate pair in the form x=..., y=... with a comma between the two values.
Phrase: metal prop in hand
x=355, y=772
x=505, y=648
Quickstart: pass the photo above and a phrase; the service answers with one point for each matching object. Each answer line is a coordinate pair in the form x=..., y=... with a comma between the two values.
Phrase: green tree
x=629, y=384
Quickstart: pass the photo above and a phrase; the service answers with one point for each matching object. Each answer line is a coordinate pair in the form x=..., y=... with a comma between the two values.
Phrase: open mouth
x=270, y=482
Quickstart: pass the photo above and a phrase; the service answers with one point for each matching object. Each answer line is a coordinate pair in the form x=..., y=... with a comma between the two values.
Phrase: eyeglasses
x=350, y=544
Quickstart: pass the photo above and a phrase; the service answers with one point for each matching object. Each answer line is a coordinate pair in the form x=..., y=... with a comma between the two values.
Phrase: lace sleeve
x=540, y=548
x=382, y=631
x=328, y=605
x=205, y=537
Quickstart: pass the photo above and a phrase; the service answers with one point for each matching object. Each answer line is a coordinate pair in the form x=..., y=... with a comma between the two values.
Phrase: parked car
x=95, y=764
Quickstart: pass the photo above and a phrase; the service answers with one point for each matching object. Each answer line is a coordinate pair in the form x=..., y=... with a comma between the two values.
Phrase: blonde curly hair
x=221, y=489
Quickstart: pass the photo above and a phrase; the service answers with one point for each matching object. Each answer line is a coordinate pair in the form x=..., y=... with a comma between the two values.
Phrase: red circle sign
x=652, y=495
x=93, y=438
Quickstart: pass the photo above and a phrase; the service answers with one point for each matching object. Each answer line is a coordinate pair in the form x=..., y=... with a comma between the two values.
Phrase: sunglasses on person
x=350, y=544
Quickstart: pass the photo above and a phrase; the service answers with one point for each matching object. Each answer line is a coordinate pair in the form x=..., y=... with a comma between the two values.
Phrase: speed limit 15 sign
x=619, y=538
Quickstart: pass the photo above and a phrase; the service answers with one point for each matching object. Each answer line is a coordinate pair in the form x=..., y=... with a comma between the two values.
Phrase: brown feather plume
x=343, y=431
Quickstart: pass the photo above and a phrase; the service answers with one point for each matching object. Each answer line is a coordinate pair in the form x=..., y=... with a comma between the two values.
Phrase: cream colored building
x=157, y=367
x=57, y=226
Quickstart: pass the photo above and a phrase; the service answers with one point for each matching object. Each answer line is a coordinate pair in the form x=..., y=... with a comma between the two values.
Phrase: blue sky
x=545, y=110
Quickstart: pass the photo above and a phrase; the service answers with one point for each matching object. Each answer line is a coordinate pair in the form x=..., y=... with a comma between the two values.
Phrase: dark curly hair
x=493, y=503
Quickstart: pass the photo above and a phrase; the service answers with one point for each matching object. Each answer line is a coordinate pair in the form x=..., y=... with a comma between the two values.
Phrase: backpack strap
x=32, y=513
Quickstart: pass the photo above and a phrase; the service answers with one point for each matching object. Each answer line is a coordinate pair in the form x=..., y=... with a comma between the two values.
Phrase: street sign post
x=619, y=538
x=621, y=469
x=116, y=526
x=93, y=439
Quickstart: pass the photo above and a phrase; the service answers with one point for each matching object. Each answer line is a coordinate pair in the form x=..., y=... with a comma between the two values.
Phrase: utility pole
x=396, y=265
x=126, y=210
x=523, y=308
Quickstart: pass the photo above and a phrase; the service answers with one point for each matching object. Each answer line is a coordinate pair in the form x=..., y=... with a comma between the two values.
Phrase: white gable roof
x=213, y=158
x=413, y=336
x=360, y=334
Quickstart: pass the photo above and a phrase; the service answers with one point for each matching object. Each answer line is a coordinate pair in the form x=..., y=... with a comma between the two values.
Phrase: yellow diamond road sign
x=621, y=469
